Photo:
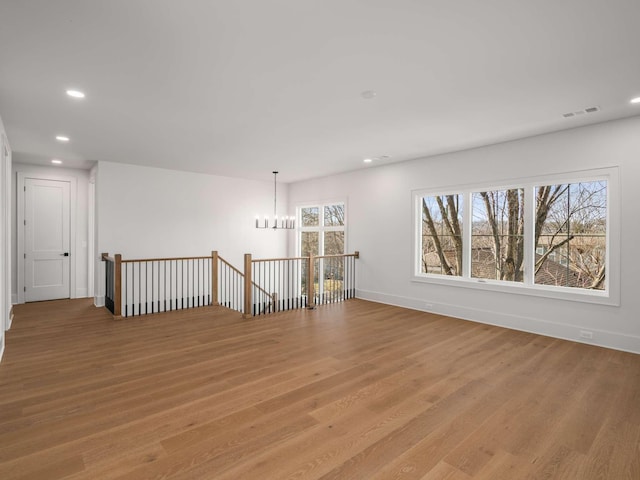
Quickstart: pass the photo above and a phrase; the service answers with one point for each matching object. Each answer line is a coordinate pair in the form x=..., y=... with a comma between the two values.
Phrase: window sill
x=556, y=293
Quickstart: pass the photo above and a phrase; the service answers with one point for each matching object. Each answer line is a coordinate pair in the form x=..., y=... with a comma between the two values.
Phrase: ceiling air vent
x=581, y=112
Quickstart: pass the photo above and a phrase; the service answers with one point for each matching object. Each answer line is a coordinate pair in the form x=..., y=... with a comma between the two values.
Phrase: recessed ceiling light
x=635, y=100
x=62, y=138
x=75, y=93
x=56, y=161
x=368, y=94
x=368, y=160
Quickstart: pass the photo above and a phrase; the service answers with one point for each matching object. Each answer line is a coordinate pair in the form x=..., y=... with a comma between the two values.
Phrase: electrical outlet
x=586, y=334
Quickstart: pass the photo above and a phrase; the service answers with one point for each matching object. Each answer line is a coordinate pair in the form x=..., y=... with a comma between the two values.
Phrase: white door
x=46, y=237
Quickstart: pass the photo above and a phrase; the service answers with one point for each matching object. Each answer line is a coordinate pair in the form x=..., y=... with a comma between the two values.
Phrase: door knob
x=65, y=254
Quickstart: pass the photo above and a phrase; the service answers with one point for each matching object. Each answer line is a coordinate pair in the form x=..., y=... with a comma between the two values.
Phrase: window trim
x=609, y=296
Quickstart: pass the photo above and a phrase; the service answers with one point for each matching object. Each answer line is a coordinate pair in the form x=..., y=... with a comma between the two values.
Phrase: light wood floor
x=349, y=391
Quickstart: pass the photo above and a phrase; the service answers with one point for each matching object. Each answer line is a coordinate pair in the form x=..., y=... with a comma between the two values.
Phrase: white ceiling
x=243, y=87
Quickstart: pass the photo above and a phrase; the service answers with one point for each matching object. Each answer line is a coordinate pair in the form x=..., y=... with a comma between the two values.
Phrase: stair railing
x=297, y=282
x=153, y=285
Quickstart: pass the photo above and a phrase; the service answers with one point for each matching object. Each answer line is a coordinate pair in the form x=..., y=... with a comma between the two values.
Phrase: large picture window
x=549, y=236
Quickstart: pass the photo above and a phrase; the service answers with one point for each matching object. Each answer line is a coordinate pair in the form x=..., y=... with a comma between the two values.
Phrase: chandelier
x=284, y=222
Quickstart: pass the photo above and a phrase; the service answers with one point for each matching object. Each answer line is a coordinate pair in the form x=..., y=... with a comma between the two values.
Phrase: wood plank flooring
x=356, y=390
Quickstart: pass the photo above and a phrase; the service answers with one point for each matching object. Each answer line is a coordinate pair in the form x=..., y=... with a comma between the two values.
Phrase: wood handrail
x=355, y=255
x=107, y=258
x=278, y=259
x=165, y=259
x=230, y=266
x=242, y=275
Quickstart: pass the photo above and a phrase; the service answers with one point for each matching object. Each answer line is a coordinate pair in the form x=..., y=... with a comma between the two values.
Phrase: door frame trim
x=73, y=186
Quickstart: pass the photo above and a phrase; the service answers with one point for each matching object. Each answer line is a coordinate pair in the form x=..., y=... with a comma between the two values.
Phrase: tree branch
x=436, y=239
x=549, y=252
x=599, y=280
x=494, y=229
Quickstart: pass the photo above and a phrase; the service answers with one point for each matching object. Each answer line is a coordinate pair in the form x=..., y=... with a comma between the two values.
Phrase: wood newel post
x=356, y=254
x=117, y=293
x=214, y=278
x=310, y=283
x=247, y=285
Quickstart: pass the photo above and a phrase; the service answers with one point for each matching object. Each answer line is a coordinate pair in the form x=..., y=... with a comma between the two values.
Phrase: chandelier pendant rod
x=275, y=192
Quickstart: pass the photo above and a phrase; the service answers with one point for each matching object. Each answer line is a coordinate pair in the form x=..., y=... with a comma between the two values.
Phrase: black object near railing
x=154, y=285
x=110, y=284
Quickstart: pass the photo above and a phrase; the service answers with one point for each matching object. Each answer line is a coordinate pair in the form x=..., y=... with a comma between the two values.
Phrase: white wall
x=82, y=212
x=381, y=228
x=5, y=236
x=144, y=212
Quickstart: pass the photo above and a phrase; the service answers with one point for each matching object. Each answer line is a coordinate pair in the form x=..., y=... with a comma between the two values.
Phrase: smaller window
x=571, y=231
x=497, y=235
x=334, y=243
x=310, y=216
x=442, y=235
x=334, y=215
x=309, y=243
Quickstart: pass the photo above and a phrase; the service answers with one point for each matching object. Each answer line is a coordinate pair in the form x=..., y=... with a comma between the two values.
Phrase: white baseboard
x=10, y=318
x=14, y=299
x=602, y=338
x=81, y=293
x=98, y=300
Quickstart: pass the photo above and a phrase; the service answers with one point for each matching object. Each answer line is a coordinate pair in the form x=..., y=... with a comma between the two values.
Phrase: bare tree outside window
x=571, y=235
x=497, y=235
x=310, y=216
x=334, y=215
x=442, y=235
x=333, y=243
x=310, y=243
